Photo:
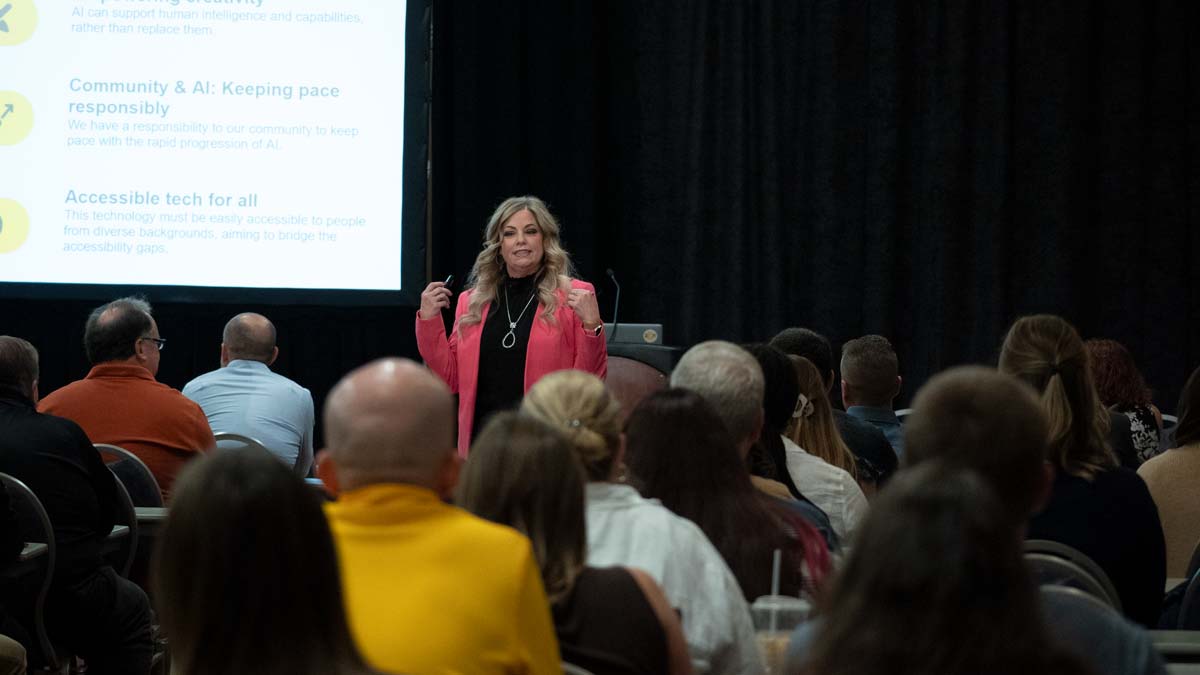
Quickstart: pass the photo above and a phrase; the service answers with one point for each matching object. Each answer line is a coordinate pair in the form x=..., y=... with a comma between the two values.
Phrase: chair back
x=630, y=381
x=227, y=440
x=1063, y=566
x=140, y=484
x=1050, y=570
x=35, y=526
x=127, y=516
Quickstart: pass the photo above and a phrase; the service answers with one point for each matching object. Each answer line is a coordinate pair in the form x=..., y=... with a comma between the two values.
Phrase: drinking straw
x=775, y=586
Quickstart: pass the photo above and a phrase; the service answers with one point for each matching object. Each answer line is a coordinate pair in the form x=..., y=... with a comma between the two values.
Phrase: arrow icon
x=7, y=109
x=1, y=226
x=4, y=24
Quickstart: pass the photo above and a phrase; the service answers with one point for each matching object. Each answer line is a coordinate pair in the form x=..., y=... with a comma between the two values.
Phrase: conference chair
x=35, y=527
x=1059, y=564
x=630, y=381
x=127, y=544
x=133, y=473
x=227, y=440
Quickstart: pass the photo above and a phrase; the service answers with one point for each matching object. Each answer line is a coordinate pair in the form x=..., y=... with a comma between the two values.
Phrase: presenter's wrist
x=594, y=328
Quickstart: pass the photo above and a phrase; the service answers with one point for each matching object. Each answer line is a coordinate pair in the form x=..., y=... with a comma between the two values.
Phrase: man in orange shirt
x=120, y=402
x=429, y=588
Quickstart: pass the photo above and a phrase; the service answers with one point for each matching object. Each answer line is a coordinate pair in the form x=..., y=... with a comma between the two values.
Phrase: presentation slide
x=213, y=143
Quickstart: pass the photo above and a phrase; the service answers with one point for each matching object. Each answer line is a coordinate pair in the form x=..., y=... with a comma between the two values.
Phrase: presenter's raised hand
x=584, y=304
x=434, y=299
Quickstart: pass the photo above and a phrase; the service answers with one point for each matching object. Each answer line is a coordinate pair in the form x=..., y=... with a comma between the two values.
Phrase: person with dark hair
x=243, y=396
x=429, y=588
x=767, y=458
x=624, y=528
x=523, y=473
x=1123, y=390
x=975, y=418
x=96, y=613
x=523, y=316
x=877, y=460
x=1095, y=506
x=679, y=453
x=870, y=383
x=120, y=402
x=935, y=584
x=246, y=539
x=1172, y=477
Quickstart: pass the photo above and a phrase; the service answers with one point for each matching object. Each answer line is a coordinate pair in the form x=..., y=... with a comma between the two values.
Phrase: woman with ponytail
x=1094, y=505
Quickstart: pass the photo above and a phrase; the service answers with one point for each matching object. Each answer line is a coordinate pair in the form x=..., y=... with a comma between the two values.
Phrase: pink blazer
x=456, y=360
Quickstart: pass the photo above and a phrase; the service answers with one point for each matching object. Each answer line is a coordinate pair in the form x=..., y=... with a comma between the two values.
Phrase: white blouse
x=833, y=490
x=626, y=529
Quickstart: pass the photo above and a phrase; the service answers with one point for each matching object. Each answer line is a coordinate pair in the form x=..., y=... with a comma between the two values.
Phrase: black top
x=502, y=370
x=1121, y=439
x=875, y=457
x=1113, y=521
x=56, y=460
x=606, y=625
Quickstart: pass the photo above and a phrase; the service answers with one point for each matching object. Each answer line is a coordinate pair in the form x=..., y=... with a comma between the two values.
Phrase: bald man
x=245, y=397
x=429, y=588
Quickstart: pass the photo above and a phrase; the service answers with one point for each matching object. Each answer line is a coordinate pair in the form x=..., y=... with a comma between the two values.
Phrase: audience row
x=634, y=547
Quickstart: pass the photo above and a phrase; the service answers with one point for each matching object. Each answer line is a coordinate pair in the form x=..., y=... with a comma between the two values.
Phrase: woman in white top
x=818, y=460
x=625, y=529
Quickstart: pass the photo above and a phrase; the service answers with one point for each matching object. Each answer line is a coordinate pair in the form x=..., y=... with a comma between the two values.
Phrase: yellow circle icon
x=14, y=225
x=16, y=117
x=18, y=18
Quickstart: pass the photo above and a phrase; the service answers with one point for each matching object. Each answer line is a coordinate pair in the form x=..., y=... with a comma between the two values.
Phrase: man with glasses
x=120, y=402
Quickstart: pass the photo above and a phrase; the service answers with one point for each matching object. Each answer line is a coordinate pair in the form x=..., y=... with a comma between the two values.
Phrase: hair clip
x=804, y=407
x=574, y=424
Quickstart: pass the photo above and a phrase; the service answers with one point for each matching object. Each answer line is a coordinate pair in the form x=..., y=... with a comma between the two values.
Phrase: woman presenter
x=522, y=317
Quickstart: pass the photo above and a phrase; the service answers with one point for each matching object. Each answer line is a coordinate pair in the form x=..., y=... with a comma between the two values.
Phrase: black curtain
x=926, y=170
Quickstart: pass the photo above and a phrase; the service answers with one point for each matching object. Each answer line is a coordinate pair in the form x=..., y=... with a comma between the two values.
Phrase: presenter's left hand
x=584, y=304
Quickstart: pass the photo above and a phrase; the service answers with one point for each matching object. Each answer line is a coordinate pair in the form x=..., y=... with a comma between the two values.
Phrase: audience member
x=13, y=636
x=246, y=576
x=680, y=453
x=935, y=584
x=1095, y=506
x=977, y=419
x=428, y=587
x=731, y=381
x=95, y=613
x=812, y=426
x=767, y=459
x=120, y=403
x=870, y=383
x=623, y=528
x=243, y=396
x=1172, y=477
x=876, y=459
x=818, y=460
x=1123, y=390
x=523, y=473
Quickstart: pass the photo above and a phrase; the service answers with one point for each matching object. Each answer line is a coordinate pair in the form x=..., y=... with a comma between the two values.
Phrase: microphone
x=616, y=303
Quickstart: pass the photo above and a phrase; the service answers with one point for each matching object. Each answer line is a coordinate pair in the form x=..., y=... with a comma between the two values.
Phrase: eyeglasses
x=160, y=342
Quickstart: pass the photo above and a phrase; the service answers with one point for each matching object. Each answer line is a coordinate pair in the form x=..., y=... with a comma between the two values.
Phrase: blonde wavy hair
x=579, y=405
x=1046, y=352
x=489, y=272
x=813, y=427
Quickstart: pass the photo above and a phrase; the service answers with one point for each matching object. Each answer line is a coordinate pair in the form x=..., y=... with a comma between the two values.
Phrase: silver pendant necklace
x=510, y=338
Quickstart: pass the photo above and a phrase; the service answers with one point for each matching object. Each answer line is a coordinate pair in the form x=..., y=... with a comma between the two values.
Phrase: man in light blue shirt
x=870, y=382
x=245, y=397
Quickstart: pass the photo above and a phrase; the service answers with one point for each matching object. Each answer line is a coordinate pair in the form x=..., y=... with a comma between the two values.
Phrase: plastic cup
x=775, y=617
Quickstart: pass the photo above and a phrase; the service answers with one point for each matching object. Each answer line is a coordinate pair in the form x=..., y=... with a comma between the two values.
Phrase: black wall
x=928, y=171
